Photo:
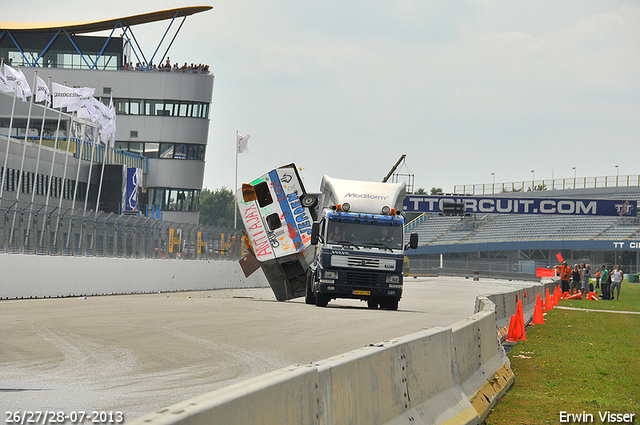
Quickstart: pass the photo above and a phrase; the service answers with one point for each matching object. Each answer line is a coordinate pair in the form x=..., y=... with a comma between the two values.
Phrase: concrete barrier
x=448, y=375
x=41, y=276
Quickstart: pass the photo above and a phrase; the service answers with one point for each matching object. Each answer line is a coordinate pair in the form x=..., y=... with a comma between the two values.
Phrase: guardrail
x=27, y=228
x=441, y=375
x=551, y=184
x=90, y=151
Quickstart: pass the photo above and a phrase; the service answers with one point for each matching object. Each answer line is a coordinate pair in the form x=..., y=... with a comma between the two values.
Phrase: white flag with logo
x=18, y=82
x=70, y=97
x=243, y=140
x=4, y=87
x=42, y=91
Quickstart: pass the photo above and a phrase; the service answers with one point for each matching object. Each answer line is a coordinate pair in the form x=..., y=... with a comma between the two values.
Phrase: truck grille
x=352, y=261
x=364, y=278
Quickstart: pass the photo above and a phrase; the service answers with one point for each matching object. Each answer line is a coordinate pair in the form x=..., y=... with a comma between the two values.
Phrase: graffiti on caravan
x=545, y=206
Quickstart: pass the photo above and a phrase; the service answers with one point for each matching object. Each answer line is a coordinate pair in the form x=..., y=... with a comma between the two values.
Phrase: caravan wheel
x=308, y=201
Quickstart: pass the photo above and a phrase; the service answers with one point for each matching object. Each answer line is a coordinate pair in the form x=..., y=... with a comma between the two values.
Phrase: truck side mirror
x=248, y=193
x=315, y=233
x=413, y=241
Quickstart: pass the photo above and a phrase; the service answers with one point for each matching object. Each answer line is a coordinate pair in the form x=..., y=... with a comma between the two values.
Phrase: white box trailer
x=278, y=216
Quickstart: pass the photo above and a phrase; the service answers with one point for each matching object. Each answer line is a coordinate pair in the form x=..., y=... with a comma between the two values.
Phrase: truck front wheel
x=322, y=300
x=390, y=304
x=309, y=296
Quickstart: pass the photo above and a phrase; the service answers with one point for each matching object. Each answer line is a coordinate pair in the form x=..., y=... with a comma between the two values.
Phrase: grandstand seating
x=434, y=229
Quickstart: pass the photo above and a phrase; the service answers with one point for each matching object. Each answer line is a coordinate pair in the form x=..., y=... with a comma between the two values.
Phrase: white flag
x=243, y=140
x=112, y=124
x=72, y=98
x=42, y=91
x=18, y=82
x=4, y=87
x=85, y=111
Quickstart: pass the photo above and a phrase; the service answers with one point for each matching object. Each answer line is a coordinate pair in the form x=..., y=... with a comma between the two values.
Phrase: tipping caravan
x=278, y=216
x=359, y=241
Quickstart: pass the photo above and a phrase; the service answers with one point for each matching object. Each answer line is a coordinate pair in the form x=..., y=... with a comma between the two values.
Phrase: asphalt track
x=140, y=353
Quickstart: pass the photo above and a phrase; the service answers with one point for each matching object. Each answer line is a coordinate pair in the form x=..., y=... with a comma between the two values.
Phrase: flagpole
x=235, y=189
x=45, y=181
x=26, y=138
x=64, y=175
x=51, y=182
x=35, y=185
x=6, y=158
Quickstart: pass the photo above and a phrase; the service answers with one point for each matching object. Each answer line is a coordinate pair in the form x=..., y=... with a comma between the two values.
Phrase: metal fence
x=520, y=269
x=551, y=184
x=27, y=230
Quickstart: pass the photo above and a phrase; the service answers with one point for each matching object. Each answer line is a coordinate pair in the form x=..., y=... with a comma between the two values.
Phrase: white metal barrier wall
x=38, y=276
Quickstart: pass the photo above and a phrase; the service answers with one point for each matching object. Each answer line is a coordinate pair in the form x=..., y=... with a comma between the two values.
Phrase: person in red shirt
x=565, y=275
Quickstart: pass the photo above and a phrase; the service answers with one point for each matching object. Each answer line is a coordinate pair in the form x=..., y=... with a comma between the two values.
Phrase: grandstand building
x=513, y=245
x=162, y=119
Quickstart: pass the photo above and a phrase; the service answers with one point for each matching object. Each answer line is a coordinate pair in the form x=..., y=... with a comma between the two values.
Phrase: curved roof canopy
x=83, y=27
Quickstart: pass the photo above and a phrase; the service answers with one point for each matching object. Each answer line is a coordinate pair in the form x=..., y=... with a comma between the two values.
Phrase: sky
x=471, y=91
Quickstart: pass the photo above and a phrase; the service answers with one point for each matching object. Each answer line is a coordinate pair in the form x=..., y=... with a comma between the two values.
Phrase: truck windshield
x=367, y=234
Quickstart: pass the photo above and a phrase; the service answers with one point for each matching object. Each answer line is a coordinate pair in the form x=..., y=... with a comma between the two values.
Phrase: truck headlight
x=331, y=274
x=393, y=278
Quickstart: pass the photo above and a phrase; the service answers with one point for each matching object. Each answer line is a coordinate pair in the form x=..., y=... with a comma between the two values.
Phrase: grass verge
x=580, y=362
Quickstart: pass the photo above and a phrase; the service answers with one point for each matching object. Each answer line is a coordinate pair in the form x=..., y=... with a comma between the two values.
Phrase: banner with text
x=544, y=206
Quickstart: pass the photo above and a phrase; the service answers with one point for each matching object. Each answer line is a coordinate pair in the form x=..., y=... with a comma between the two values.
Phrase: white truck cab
x=360, y=245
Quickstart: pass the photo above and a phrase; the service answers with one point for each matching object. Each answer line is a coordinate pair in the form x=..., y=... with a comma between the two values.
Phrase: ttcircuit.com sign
x=544, y=206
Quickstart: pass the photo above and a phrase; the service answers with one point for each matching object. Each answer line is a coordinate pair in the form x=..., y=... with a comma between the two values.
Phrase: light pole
x=617, y=174
x=493, y=182
x=533, y=179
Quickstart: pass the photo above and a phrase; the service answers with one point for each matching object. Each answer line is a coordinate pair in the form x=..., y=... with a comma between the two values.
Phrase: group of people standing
x=579, y=278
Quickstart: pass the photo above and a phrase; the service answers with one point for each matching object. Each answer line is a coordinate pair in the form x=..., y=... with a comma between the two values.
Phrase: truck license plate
x=361, y=292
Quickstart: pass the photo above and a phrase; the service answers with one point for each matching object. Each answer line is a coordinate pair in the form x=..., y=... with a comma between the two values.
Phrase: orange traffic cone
x=547, y=302
x=558, y=295
x=512, y=322
x=592, y=296
x=516, y=326
x=538, y=317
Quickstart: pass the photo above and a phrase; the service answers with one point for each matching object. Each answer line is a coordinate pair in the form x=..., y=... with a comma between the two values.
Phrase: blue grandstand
x=513, y=245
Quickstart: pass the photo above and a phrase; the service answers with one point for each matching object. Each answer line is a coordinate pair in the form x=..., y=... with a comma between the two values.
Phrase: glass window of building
x=180, y=151
x=166, y=150
x=151, y=149
x=122, y=146
x=121, y=106
x=135, y=147
x=136, y=107
x=171, y=108
x=182, y=111
x=192, y=151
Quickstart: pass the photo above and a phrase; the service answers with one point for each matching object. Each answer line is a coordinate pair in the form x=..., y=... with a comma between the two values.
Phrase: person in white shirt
x=616, y=281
